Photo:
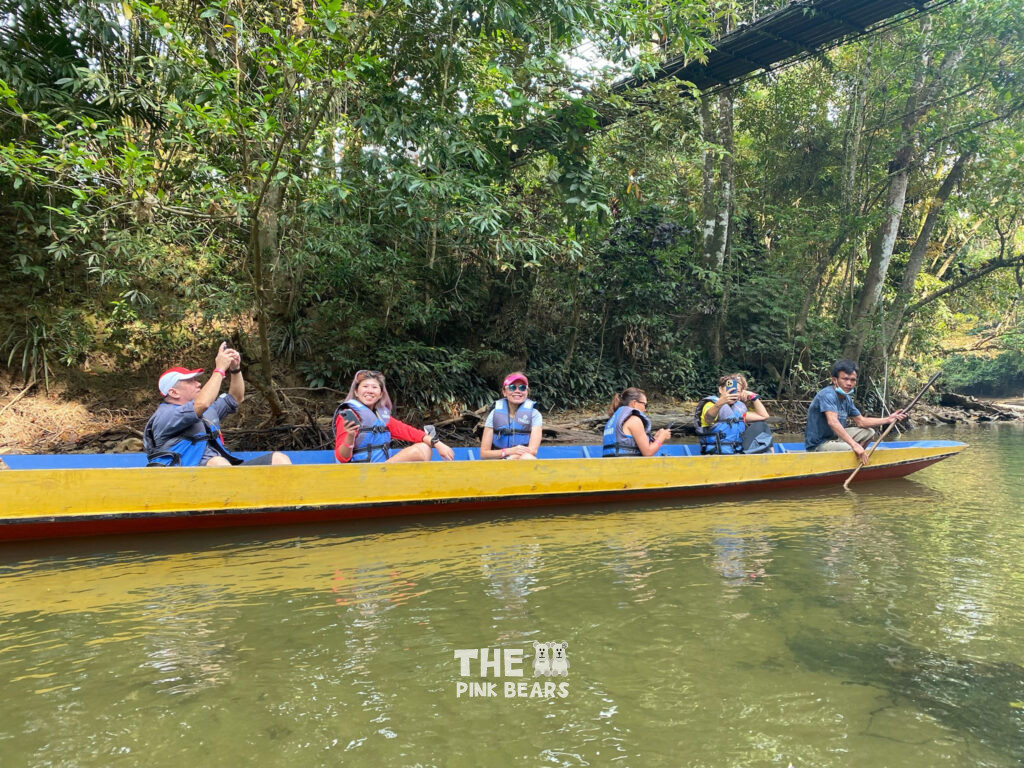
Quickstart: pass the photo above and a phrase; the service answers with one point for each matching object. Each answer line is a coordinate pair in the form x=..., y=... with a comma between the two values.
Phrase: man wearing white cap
x=185, y=430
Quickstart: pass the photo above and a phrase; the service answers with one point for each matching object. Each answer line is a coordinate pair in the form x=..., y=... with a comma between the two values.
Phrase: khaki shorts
x=862, y=435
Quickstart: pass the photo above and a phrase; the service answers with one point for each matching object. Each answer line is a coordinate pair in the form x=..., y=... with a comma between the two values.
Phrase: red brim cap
x=515, y=377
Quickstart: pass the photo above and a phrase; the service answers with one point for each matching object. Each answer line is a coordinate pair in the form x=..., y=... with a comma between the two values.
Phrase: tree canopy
x=440, y=190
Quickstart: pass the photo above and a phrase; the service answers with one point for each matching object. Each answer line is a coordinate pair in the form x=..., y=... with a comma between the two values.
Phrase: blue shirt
x=170, y=421
x=818, y=431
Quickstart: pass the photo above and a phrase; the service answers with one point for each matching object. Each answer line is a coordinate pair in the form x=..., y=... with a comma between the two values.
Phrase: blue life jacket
x=373, y=443
x=725, y=436
x=185, y=449
x=620, y=443
x=516, y=431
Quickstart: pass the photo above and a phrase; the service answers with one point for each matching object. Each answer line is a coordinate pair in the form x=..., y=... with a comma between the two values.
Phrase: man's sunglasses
x=517, y=387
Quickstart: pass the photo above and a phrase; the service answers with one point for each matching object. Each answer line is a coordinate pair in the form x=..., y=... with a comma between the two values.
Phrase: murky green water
x=877, y=628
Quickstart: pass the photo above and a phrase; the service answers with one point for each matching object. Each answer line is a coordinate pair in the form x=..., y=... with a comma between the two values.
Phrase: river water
x=877, y=627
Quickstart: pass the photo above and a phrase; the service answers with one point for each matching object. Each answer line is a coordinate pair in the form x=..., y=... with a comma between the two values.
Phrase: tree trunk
x=920, y=249
x=717, y=186
x=917, y=104
x=257, y=239
x=574, y=333
x=709, y=133
x=858, y=107
x=881, y=254
x=726, y=180
x=328, y=165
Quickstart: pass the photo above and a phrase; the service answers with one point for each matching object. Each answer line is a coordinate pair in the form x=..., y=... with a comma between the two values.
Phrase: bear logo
x=559, y=660
x=541, y=659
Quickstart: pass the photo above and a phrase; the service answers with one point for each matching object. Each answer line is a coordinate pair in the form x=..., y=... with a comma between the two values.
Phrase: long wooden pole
x=881, y=437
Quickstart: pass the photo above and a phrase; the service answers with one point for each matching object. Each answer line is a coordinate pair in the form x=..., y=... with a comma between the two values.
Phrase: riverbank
x=74, y=417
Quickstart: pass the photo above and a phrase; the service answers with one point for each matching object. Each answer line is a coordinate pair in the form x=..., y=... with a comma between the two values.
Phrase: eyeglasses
x=641, y=402
x=517, y=387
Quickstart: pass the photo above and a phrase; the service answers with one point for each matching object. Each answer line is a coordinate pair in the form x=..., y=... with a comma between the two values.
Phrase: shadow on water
x=984, y=699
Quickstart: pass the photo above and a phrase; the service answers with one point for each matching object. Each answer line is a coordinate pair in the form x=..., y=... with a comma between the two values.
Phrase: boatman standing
x=833, y=407
x=185, y=430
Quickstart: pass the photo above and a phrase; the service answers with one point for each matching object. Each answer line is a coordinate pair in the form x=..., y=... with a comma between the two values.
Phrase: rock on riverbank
x=959, y=409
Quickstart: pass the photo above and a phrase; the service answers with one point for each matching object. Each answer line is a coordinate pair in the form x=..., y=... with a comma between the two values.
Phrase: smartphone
x=732, y=386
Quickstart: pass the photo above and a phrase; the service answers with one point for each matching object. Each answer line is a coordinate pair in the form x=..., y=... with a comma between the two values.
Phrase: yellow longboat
x=55, y=496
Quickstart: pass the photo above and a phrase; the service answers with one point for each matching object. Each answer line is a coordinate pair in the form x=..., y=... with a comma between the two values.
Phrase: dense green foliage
x=430, y=189
x=999, y=373
x=986, y=376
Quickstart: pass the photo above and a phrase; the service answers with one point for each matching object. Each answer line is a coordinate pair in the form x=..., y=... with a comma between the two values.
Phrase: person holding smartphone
x=721, y=421
x=628, y=429
x=185, y=429
x=364, y=427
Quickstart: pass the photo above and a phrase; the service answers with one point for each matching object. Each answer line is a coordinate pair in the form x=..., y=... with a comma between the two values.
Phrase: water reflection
x=819, y=628
x=742, y=559
x=632, y=564
x=186, y=648
x=511, y=574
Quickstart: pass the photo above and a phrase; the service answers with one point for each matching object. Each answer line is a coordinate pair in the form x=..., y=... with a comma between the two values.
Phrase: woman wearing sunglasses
x=513, y=427
x=364, y=427
x=628, y=431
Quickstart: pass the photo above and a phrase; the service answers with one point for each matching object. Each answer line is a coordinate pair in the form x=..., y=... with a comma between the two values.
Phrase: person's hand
x=236, y=359
x=224, y=356
x=351, y=422
x=862, y=455
x=896, y=416
x=727, y=399
x=445, y=452
x=516, y=450
x=748, y=395
x=662, y=436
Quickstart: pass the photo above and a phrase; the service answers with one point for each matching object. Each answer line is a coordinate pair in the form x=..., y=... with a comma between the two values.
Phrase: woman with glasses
x=628, y=431
x=364, y=427
x=513, y=427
